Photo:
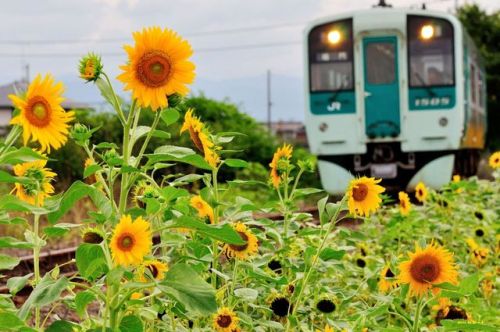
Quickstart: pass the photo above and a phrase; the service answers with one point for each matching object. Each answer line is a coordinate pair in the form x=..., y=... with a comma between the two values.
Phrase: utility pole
x=269, y=102
x=27, y=71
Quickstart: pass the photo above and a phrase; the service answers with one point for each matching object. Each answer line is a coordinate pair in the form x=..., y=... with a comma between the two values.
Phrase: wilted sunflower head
x=452, y=313
x=92, y=235
x=364, y=196
x=90, y=67
x=157, y=67
x=246, y=250
x=225, y=320
x=39, y=186
x=281, y=306
x=426, y=268
x=326, y=305
x=280, y=163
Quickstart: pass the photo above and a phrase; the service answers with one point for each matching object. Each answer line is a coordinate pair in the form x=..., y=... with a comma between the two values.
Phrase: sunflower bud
x=112, y=158
x=80, y=133
x=90, y=67
x=175, y=100
x=307, y=165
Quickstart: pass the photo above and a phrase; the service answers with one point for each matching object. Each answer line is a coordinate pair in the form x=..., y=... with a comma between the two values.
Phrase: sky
x=235, y=42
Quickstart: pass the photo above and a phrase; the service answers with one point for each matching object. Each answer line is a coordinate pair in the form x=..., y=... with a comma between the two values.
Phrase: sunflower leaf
x=224, y=233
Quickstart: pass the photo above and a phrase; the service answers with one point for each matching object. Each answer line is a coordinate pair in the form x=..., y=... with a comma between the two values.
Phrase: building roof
x=18, y=86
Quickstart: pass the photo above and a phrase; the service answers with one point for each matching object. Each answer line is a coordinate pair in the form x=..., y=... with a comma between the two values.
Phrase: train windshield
x=430, y=46
x=330, y=57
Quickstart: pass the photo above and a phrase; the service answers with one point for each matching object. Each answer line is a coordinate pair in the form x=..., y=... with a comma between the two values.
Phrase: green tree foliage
x=484, y=29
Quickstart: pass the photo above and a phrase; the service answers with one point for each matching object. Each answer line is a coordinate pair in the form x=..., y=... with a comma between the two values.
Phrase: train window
x=473, y=84
x=379, y=59
x=430, y=51
x=481, y=89
x=330, y=57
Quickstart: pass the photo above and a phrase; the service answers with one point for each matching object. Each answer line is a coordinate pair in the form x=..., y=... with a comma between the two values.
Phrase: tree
x=484, y=29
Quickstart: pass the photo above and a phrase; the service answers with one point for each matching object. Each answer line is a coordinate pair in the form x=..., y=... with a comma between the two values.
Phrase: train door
x=381, y=86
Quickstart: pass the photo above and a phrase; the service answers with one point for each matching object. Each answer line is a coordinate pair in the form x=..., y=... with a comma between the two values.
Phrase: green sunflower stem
x=117, y=104
x=215, y=245
x=126, y=156
x=416, y=322
x=11, y=139
x=36, y=263
x=316, y=258
x=148, y=138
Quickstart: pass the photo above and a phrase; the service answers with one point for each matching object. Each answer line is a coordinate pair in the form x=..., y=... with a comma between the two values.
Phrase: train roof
x=377, y=12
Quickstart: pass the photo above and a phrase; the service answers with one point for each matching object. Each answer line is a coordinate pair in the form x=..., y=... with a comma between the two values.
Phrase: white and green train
x=397, y=94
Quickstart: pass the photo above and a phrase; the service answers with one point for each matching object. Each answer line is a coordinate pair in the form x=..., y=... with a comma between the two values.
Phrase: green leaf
x=161, y=134
x=179, y=154
x=47, y=291
x=107, y=93
x=59, y=229
x=11, y=242
x=15, y=284
x=82, y=299
x=61, y=326
x=306, y=191
x=247, y=294
x=90, y=261
x=139, y=132
x=236, y=163
x=9, y=322
x=169, y=116
x=12, y=203
x=224, y=233
x=329, y=254
x=470, y=284
x=131, y=323
x=457, y=325
x=6, y=177
x=21, y=155
x=171, y=193
x=91, y=169
x=174, y=151
x=8, y=262
x=77, y=191
x=196, y=295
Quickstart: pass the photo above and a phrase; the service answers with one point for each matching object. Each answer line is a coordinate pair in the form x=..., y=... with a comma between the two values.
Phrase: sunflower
x=158, y=67
x=225, y=320
x=281, y=306
x=279, y=164
x=203, y=208
x=328, y=328
x=246, y=250
x=494, y=160
x=201, y=138
x=153, y=268
x=404, y=203
x=131, y=241
x=451, y=312
x=92, y=178
x=421, y=192
x=41, y=115
x=456, y=178
x=39, y=188
x=92, y=235
x=143, y=191
x=487, y=284
x=387, y=280
x=478, y=254
x=275, y=266
x=427, y=267
x=326, y=305
x=364, y=195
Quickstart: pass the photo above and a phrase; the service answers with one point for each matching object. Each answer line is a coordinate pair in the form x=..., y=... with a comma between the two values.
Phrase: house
x=6, y=107
x=289, y=131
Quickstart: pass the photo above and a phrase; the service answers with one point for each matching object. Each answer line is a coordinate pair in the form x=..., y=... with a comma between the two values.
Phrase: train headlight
x=334, y=37
x=427, y=31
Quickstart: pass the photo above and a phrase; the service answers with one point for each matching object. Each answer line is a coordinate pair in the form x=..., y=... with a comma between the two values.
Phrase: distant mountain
x=248, y=93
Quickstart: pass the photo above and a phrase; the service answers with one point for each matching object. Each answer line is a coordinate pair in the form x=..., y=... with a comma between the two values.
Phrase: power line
x=121, y=40
x=115, y=54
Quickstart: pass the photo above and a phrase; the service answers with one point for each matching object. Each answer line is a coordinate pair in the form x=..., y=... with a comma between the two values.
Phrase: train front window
x=430, y=51
x=330, y=57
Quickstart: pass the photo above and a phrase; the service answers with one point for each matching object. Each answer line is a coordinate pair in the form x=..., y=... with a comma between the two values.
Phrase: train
x=393, y=93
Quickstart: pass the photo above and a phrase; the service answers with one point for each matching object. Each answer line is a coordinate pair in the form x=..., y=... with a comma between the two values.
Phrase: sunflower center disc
x=153, y=69
x=38, y=111
x=126, y=242
x=425, y=269
x=360, y=192
x=242, y=247
x=224, y=320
